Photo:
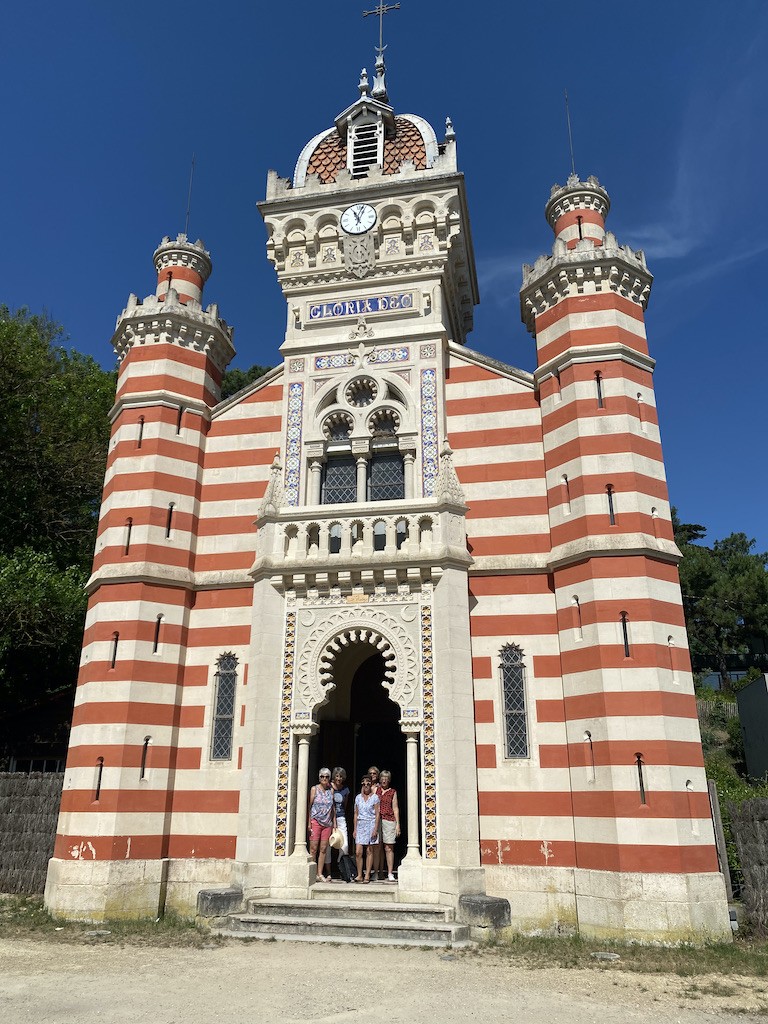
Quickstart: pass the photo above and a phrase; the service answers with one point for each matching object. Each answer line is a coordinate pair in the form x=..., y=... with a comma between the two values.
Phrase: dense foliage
x=54, y=419
x=725, y=595
x=55, y=429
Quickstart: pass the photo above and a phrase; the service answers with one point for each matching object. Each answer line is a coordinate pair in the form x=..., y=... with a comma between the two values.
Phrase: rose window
x=383, y=423
x=361, y=392
x=337, y=426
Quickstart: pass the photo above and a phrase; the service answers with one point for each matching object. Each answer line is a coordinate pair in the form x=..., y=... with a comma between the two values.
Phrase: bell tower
x=364, y=531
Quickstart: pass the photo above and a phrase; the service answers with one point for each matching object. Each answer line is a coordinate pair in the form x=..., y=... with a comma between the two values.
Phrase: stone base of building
x=96, y=891
x=642, y=907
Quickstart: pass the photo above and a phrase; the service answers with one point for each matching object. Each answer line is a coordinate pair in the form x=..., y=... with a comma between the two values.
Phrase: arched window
x=513, y=697
x=224, y=708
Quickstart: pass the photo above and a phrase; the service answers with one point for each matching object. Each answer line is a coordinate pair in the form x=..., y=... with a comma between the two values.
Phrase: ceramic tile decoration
x=429, y=458
x=293, y=443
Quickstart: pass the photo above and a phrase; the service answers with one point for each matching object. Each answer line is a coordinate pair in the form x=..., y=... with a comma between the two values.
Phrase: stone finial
x=364, y=85
x=450, y=134
x=273, y=496
x=379, y=91
x=447, y=487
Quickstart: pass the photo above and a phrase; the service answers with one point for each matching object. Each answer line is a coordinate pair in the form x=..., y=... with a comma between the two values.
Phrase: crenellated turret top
x=182, y=265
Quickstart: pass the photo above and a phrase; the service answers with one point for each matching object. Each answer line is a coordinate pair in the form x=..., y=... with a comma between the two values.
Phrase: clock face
x=358, y=219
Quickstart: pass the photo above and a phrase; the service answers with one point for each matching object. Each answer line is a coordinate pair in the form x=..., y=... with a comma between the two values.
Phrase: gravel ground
x=43, y=981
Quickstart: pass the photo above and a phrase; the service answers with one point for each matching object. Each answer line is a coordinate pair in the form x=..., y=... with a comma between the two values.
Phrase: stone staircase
x=337, y=912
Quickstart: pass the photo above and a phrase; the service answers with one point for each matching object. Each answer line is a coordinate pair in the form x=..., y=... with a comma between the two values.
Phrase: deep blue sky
x=105, y=104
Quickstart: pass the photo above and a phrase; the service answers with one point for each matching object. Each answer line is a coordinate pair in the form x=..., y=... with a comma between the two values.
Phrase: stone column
x=302, y=789
x=315, y=479
x=412, y=790
x=362, y=477
x=409, y=459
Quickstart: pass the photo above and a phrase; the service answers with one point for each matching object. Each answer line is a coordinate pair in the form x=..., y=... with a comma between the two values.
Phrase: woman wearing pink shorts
x=322, y=821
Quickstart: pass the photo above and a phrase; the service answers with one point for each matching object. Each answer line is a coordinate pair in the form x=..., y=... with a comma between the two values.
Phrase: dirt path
x=47, y=982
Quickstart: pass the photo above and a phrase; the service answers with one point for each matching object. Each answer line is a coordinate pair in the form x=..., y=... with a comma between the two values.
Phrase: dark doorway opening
x=359, y=727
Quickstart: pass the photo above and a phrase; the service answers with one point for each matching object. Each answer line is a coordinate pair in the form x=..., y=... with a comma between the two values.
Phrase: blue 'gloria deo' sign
x=359, y=307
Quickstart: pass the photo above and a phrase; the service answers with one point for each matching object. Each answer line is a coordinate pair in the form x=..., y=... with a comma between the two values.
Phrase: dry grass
x=24, y=917
x=741, y=957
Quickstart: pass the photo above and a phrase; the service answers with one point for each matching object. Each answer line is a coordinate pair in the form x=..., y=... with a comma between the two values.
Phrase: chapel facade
x=392, y=549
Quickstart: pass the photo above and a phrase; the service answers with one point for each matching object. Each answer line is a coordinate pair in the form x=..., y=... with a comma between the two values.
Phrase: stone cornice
x=462, y=352
x=167, y=576
x=594, y=354
x=188, y=326
x=577, y=551
x=585, y=270
x=137, y=400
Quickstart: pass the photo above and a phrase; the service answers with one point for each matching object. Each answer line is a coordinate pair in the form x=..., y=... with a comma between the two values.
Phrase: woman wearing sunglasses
x=322, y=821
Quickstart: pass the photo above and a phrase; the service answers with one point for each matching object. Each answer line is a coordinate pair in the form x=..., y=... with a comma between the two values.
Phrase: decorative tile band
x=296, y=366
x=333, y=362
x=389, y=355
x=293, y=443
x=284, y=751
x=428, y=351
x=430, y=786
x=429, y=459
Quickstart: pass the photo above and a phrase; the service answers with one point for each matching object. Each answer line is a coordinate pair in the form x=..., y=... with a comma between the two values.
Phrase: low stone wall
x=29, y=810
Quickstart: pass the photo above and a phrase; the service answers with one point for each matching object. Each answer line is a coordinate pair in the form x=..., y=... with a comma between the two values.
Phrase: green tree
x=54, y=406
x=725, y=595
x=55, y=430
x=235, y=380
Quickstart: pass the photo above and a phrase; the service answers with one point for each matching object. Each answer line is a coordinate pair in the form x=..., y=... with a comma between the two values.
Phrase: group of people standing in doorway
x=376, y=823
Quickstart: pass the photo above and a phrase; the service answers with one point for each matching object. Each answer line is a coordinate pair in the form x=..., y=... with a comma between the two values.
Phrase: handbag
x=337, y=839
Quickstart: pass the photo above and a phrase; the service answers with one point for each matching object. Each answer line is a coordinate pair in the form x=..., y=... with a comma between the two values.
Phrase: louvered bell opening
x=365, y=151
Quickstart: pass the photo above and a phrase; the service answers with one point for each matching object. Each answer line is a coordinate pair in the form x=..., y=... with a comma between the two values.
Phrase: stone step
x=373, y=892
x=350, y=910
x=361, y=931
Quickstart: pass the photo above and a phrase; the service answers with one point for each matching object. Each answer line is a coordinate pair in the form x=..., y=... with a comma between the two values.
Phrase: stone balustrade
x=411, y=535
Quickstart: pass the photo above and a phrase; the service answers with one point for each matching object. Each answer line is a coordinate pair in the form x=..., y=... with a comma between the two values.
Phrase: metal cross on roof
x=381, y=9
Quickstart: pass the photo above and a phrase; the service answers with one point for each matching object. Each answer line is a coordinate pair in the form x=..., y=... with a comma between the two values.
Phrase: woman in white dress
x=366, y=828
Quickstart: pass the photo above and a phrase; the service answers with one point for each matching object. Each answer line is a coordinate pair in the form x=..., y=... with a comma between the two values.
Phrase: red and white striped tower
x=182, y=265
x=119, y=791
x=639, y=796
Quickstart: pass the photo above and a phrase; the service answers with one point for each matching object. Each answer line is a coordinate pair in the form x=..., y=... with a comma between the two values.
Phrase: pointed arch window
x=224, y=708
x=513, y=698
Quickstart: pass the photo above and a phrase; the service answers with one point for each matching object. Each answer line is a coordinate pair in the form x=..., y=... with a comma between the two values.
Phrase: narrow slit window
x=513, y=695
x=577, y=624
x=179, y=419
x=672, y=659
x=590, y=756
x=224, y=708
x=611, y=505
x=599, y=390
x=625, y=634
x=99, y=773
x=641, y=778
x=144, y=756
x=169, y=520
x=115, y=642
x=579, y=221
x=140, y=436
x=128, y=531
x=557, y=392
x=156, y=643
x=566, y=495
x=641, y=413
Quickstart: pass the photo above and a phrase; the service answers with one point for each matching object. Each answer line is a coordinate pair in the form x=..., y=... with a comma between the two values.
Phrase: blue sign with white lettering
x=359, y=307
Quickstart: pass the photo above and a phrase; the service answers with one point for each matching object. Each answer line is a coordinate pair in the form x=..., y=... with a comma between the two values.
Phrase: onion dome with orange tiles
x=369, y=133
